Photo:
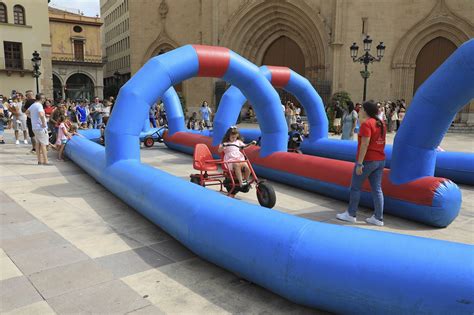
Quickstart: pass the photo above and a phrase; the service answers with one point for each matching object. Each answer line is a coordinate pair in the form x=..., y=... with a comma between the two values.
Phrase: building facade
x=24, y=29
x=310, y=36
x=76, y=55
x=116, y=39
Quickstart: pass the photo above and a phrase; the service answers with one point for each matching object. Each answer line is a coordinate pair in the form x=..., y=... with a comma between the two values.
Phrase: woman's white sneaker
x=373, y=220
x=346, y=217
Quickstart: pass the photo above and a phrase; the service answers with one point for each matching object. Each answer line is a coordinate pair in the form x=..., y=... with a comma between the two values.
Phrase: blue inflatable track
x=339, y=269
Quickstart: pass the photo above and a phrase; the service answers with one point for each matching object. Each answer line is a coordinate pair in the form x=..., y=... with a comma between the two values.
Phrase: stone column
x=337, y=64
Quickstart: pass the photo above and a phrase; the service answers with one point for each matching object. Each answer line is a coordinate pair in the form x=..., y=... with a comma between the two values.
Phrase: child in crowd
x=192, y=121
x=230, y=146
x=62, y=138
x=3, y=121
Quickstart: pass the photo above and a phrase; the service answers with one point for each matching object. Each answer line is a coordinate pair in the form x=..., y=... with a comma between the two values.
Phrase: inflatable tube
x=308, y=262
x=319, y=265
x=181, y=64
x=437, y=100
x=457, y=166
x=430, y=200
x=94, y=134
x=232, y=101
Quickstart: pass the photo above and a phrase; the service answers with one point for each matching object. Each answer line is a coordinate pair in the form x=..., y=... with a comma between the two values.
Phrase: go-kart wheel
x=228, y=186
x=266, y=195
x=195, y=180
x=149, y=142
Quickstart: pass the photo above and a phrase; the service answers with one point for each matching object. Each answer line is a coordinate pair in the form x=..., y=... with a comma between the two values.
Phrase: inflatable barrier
x=457, y=166
x=329, y=267
x=430, y=200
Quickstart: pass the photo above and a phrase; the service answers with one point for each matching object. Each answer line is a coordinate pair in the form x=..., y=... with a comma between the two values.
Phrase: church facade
x=312, y=37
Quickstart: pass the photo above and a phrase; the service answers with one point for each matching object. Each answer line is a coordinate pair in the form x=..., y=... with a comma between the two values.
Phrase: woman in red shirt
x=370, y=162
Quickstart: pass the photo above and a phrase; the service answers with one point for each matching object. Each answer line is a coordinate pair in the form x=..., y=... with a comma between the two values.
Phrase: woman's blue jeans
x=374, y=171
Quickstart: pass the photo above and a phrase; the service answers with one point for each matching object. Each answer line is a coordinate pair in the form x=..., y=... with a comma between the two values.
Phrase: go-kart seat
x=201, y=158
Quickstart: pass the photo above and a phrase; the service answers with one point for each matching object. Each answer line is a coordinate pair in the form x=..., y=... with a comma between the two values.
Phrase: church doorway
x=285, y=52
x=431, y=56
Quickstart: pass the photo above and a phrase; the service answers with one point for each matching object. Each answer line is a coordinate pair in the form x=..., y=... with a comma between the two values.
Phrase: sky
x=89, y=7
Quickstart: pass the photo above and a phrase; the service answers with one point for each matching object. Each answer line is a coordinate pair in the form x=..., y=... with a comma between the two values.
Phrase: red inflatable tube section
x=337, y=172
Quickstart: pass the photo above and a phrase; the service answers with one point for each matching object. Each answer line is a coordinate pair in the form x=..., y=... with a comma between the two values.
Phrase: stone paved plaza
x=69, y=246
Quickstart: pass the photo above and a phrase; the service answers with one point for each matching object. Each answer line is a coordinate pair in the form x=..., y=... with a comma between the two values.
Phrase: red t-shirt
x=48, y=110
x=375, y=151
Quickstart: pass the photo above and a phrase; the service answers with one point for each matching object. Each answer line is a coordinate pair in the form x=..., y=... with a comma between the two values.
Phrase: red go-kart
x=209, y=175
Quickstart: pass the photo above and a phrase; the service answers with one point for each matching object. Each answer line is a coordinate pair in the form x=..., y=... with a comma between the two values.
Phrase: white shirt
x=35, y=109
x=19, y=113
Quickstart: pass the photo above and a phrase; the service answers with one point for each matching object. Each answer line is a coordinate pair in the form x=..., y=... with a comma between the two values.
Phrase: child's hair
x=73, y=128
x=62, y=118
x=232, y=131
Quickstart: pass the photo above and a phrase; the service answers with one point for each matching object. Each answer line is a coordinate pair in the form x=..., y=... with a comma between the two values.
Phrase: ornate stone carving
x=163, y=9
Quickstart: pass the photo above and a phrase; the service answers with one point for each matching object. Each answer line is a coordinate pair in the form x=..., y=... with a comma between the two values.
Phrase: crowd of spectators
x=62, y=118
x=345, y=118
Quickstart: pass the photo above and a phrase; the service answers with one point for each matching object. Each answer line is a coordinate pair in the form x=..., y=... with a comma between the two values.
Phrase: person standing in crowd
x=338, y=112
x=30, y=99
x=81, y=113
x=349, y=122
x=152, y=114
x=107, y=110
x=370, y=162
x=394, y=118
x=40, y=129
x=3, y=121
x=54, y=121
x=19, y=119
x=97, y=109
x=48, y=109
x=193, y=120
x=112, y=103
x=401, y=115
x=388, y=114
x=8, y=115
x=206, y=113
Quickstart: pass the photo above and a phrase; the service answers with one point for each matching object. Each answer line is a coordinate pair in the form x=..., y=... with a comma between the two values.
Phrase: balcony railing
x=74, y=59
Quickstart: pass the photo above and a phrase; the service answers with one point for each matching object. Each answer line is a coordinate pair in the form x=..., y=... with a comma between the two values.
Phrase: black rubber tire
x=266, y=195
x=149, y=142
x=195, y=180
x=228, y=186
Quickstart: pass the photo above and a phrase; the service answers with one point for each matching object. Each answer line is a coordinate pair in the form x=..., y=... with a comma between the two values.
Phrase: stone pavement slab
x=16, y=230
x=148, y=235
x=133, y=261
x=38, y=308
x=46, y=258
x=147, y=310
x=17, y=292
x=64, y=279
x=7, y=268
x=32, y=242
x=112, y=297
x=173, y=249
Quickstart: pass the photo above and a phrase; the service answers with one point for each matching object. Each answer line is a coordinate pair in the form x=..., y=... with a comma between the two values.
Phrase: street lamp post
x=36, y=62
x=366, y=58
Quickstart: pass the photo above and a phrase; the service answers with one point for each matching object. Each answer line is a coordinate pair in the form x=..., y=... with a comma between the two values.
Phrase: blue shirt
x=204, y=113
x=81, y=113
